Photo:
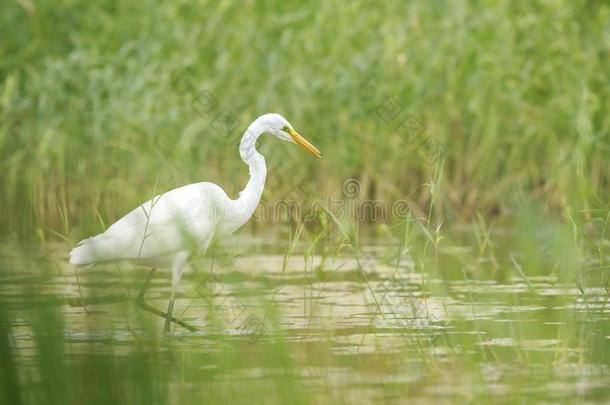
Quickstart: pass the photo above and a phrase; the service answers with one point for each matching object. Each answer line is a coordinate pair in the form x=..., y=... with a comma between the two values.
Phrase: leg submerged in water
x=141, y=302
x=178, y=266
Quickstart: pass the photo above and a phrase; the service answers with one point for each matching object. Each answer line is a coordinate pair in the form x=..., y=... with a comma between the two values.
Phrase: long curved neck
x=251, y=194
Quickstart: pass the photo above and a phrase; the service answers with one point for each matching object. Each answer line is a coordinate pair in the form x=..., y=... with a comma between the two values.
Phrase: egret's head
x=279, y=126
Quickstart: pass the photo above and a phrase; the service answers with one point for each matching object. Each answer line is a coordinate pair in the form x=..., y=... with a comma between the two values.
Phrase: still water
x=307, y=327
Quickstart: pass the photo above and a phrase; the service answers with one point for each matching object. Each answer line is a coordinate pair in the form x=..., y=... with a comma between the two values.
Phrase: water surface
x=308, y=327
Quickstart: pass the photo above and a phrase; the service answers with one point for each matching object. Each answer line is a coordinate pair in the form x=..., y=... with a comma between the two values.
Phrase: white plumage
x=167, y=229
x=162, y=226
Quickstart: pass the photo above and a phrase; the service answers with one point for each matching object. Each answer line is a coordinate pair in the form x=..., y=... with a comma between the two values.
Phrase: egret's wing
x=174, y=221
x=162, y=210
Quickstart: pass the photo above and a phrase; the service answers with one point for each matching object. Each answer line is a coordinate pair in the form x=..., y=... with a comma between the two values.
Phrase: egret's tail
x=91, y=250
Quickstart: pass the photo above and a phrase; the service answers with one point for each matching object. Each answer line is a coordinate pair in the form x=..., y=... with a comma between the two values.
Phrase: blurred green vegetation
x=103, y=104
x=93, y=119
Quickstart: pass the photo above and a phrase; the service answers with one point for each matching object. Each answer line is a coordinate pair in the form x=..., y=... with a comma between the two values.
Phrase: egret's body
x=166, y=230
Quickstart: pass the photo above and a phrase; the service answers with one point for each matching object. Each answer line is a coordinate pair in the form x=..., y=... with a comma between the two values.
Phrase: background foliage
x=92, y=120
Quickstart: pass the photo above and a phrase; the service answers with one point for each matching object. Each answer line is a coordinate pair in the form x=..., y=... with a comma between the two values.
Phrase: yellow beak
x=304, y=143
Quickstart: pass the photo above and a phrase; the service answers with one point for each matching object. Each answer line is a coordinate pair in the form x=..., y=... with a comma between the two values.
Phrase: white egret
x=169, y=228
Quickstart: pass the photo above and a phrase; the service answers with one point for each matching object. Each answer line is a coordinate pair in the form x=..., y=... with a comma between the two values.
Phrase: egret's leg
x=141, y=302
x=178, y=265
x=140, y=299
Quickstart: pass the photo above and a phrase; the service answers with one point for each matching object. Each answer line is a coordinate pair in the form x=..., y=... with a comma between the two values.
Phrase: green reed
x=100, y=102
